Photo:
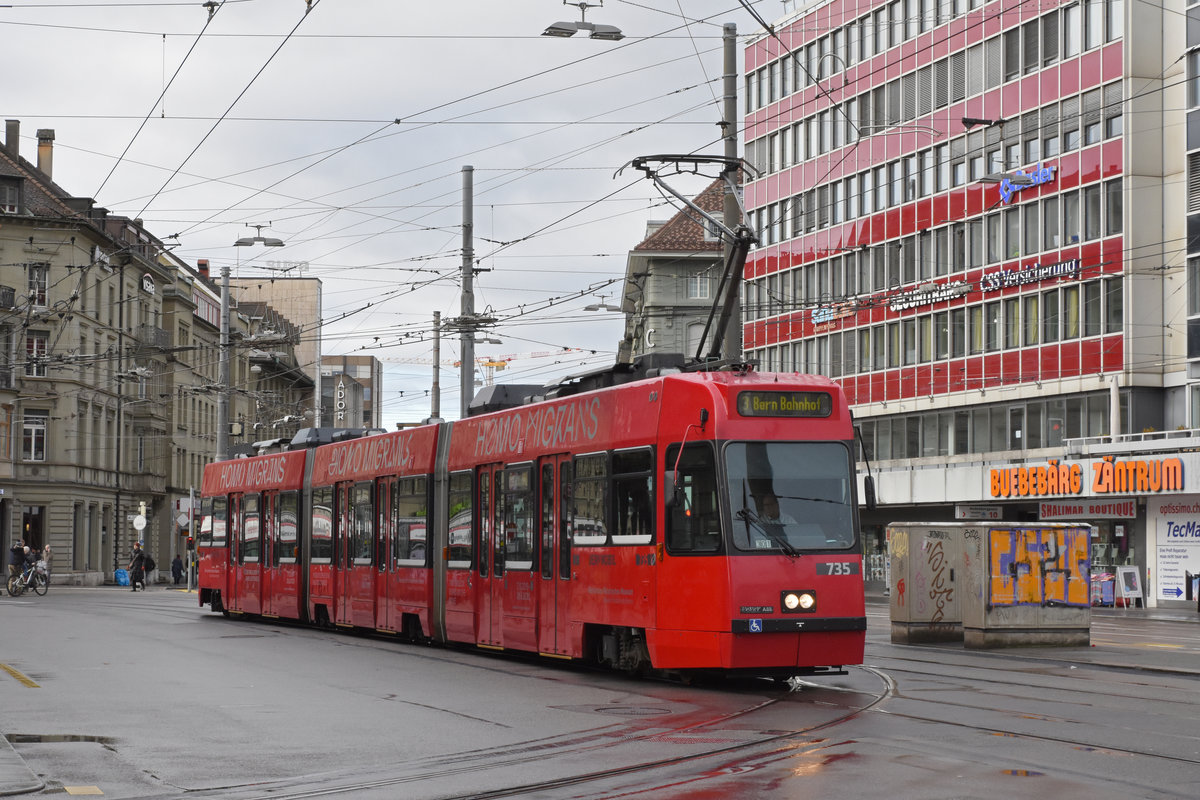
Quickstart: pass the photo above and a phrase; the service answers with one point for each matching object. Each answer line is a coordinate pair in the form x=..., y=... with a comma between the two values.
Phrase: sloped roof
x=42, y=197
x=683, y=232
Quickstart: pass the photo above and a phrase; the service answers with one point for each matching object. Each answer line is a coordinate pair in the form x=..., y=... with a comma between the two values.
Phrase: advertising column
x=1173, y=532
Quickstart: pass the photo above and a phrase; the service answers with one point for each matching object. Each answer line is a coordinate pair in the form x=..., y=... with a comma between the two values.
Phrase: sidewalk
x=1146, y=657
x=15, y=777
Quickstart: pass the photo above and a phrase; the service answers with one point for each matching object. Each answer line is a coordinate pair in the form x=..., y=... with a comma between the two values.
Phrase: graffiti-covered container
x=1026, y=584
x=925, y=567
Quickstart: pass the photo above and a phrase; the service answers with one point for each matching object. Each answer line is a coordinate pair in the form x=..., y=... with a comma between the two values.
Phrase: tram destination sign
x=784, y=404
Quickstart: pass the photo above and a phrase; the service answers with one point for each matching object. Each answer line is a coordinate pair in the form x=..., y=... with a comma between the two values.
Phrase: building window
x=33, y=435
x=1091, y=309
x=1071, y=31
x=36, y=347
x=698, y=287
x=1031, y=319
x=1114, y=305
x=1113, y=206
x=38, y=278
x=10, y=196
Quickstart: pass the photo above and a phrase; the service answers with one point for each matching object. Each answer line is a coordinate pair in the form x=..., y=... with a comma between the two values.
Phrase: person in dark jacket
x=16, y=557
x=177, y=569
x=137, y=568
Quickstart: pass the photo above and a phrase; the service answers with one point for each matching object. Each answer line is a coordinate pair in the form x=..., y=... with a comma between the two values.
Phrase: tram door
x=249, y=571
x=354, y=581
x=490, y=594
x=554, y=554
x=267, y=561
x=233, y=530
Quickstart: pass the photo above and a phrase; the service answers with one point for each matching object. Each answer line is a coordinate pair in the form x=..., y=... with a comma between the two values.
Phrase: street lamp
x=268, y=241
x=970, y=122
x=602, y=305
x=609, y=33
x=223, y=363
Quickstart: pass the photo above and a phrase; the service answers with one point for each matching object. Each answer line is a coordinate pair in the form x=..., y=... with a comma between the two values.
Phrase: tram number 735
x=837, y=568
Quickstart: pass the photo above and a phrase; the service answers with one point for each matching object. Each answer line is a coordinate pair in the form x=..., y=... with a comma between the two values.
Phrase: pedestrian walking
x=177, y=569
x=46, y=554
x=137, y=568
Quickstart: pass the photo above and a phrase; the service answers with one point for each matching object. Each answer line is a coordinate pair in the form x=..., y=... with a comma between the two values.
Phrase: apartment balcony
x=151, y=340
x=142, y=483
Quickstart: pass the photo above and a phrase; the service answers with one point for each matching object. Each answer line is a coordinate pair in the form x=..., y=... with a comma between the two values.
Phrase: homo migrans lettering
x=1109, y=476
x=251, y=473
x=374, y=453
x=561, y=424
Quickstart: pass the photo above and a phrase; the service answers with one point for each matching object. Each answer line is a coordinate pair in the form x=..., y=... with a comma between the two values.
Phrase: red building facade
x=893, y=260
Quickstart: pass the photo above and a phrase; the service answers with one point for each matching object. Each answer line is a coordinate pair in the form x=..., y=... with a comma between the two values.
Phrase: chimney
x=45, y=138
x=202, y=267
x=12, y=136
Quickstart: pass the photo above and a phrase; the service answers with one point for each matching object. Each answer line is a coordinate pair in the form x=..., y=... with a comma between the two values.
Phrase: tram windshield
x=790, y=496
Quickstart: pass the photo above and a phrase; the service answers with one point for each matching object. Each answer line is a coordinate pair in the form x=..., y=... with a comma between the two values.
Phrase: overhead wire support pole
x=223, y=372
x=435, y=409
x=732, y=208
x=740, y=238
x=467, y=376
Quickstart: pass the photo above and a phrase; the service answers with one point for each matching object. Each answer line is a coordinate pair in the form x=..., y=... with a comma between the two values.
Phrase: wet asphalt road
x=145, y=695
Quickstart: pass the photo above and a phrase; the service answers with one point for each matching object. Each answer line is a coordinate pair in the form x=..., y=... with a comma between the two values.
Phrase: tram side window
x=693, y=519
x=322, y=525
x=287, y=527
x=250, y=529
x=564, y=522
x=218, y=522
x=518, y=518
x=633, y=518
x=410, y=522
x=547, y=521
x=461, y=493
x=587, y=497
x=362, y=532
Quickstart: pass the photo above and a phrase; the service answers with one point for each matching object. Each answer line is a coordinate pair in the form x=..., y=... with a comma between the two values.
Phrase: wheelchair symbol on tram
x=756, y=626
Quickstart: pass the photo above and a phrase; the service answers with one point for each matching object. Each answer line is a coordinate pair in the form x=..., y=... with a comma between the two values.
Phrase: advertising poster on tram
x=1176, y=532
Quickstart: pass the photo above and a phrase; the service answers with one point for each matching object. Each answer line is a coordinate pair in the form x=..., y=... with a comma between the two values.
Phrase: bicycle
x=34, y=577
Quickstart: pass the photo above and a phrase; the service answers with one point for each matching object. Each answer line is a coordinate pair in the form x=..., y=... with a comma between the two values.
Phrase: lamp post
x=223, y=364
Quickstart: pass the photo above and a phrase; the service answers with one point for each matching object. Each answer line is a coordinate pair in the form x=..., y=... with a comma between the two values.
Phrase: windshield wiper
x=772, y=530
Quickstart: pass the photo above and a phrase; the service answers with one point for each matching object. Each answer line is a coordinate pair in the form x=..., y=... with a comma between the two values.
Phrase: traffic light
x=191, y=543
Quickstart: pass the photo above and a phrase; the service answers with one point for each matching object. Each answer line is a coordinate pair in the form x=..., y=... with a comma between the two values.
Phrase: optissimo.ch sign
x=1108, y=476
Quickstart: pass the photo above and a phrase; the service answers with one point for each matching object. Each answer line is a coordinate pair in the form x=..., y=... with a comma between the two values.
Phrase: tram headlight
x=798, y=602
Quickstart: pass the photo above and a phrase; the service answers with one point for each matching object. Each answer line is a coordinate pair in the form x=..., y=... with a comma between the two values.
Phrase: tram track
x=582, y=745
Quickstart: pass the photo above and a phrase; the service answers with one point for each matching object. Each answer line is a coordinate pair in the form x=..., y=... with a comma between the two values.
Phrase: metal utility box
x=926, y=566
x=1027, y=585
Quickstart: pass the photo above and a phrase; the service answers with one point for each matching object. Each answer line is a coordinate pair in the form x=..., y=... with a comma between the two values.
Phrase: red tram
x=689, y=522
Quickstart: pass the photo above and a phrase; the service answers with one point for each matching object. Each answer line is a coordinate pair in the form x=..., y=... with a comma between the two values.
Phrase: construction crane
x=489, y=365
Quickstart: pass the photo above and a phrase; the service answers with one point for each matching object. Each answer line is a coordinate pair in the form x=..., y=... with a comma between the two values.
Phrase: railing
x=152, y=337
x=1145, y=442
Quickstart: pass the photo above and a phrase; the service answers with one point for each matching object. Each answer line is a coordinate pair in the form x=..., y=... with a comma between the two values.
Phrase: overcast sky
x=345, y=130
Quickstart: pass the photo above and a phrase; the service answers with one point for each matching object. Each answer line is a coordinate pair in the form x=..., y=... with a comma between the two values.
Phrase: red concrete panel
x=1089, y=164
x=1112, y=158
x=1091, y=69
x=1068, y=359
x=1090, y=361
x=1114, y=352
x=1029, y=365
x=1048, y=355
x=1068, y=78
x=1114, y=56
